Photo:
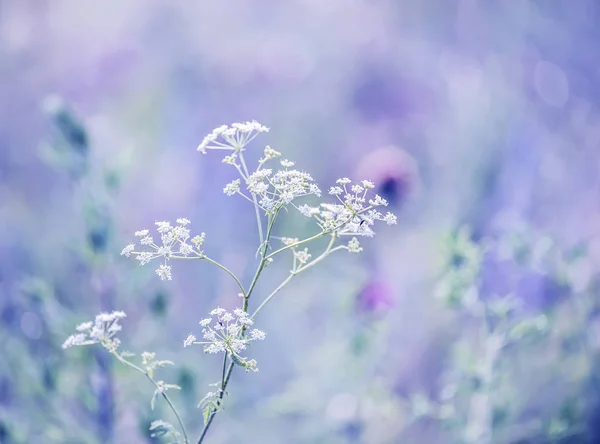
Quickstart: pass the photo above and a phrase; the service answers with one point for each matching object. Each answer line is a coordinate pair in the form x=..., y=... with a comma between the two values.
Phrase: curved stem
x=316, y=260
x=230, y=273
x=227, y=375
x=162, y=392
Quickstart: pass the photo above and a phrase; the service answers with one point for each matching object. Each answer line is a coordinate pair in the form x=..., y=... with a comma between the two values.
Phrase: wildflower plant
x=478, y=398
x=349, y=212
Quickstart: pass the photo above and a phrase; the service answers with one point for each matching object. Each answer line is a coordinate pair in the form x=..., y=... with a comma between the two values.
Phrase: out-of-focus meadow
x=481, y=115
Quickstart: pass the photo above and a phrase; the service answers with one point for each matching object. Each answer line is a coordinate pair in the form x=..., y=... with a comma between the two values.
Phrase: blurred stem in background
x=70, y=152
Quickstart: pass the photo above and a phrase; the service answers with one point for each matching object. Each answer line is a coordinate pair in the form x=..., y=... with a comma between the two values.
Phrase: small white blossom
x=269, y=154
x=302, y=256
x=343, y=181
x=224, y=332
x=234, y=137
x=256, y=334
x=368, y=184
x=357, y=189
x=230, y=160
x=128, y=250
x=163, y=227
x=189, y=340
x=232, y=187
x=84, y=326
x=378, y=201
x=335, y=191
x=287, y=164
x=390, y=219
x=173, y=245
x=308, y=211
x=102, y=330
x=354, y=246
x=289, y=240
x=164, y=272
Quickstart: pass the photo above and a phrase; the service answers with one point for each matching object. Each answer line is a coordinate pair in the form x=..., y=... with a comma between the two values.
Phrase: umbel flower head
x=232, y=138
x=354, y=213
x=100, y=331
x=225, y=332
x=173, y=245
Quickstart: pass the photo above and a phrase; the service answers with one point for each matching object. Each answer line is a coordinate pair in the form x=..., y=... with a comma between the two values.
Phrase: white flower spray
x=351, y=209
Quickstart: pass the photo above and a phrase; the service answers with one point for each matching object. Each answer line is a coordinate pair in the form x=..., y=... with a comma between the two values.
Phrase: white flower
x=235, y=137
x=164, y=272
x=185, y=249
x=286, y=163
x=128, y=250
x=173, y=245
x=378, y=201
x=256, y=334
x=357, y=189
x=269, y=153
x=343, y=181
x=218, y=311
x=354, y=246
x=84, y=326
x=75, y=340
x=368, y=184
x=232, y=187
x=189, y=340
x=226, y=334
x=163, y=227
x=102, y=330
x=230, y=160
x=308, y=211
x=335, y=191
x=390, y=219
x=302, y=256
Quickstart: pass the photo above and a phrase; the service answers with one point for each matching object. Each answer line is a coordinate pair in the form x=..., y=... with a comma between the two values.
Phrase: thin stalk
x=225, y=269
x=163, y=393
x=256, y=210
x=227, y=374
x=318, y=259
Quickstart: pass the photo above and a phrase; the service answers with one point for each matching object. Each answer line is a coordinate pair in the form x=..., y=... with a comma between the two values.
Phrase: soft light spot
x=31, y=325
x=342, y=407
x=551, y=83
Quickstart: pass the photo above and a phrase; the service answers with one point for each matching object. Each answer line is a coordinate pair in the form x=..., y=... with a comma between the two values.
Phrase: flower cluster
x=232, y=138
x=274, y=190
x=102, y=330
x=355, y=213
x=173, y=245
x=225, y=332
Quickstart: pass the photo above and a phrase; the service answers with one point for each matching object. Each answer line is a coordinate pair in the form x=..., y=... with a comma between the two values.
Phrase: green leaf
x=153, y=401
x=163, y=363
x=206, y=413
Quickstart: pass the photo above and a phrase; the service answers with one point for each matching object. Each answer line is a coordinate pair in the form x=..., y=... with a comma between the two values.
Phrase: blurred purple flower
x=394, y=172
x=375, y=297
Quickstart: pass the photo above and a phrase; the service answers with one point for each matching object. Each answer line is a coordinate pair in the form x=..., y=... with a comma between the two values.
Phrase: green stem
x=318, y=259
x=227, y=375
x=162, y=392
x=224, y=268
x=256, y=206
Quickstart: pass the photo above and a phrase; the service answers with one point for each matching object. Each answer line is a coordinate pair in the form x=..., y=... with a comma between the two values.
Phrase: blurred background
x=483, y=115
